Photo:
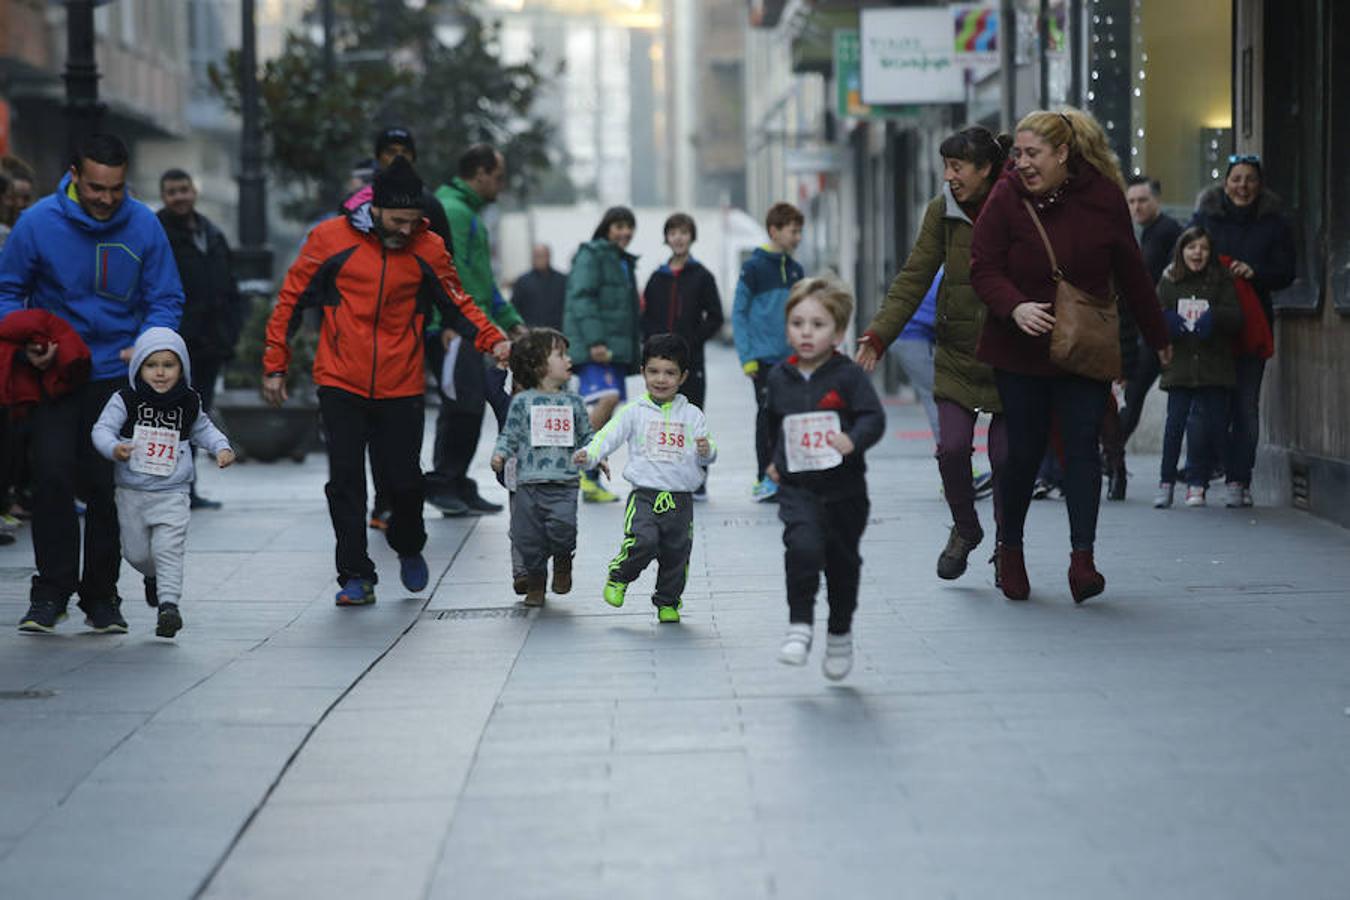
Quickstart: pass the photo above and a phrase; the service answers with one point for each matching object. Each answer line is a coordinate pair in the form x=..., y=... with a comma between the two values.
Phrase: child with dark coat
x=1200, y=306
x=823, y=416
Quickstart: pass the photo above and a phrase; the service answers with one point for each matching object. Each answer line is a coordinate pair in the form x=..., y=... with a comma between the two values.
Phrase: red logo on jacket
x=832, y=400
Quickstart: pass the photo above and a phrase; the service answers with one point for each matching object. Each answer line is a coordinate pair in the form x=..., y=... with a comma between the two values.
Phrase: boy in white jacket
x=148, y=430
x=668, y=450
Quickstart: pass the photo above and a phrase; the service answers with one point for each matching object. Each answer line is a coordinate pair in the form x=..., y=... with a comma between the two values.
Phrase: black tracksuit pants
x=65, y=465
x=658, y=525
x=392, y=432
x=822, y=535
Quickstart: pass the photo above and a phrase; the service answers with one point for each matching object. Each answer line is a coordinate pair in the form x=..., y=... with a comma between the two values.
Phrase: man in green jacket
x=473, y=382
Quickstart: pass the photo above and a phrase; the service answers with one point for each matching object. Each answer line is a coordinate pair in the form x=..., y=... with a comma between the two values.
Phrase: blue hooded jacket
x=758, y=320
x=110, y=280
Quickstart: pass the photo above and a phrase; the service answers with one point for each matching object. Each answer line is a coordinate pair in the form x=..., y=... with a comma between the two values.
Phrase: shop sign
x=909, y=56
x=848, y=82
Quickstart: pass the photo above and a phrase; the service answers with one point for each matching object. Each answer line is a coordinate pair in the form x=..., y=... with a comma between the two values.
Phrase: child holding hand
x=669, y=450
x=544, y=426
x=823, y=414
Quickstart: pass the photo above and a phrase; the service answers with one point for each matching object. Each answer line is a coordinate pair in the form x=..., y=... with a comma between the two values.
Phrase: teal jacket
x=758, y=320
x=602, y=305
x=535, y=465
x=473, y=252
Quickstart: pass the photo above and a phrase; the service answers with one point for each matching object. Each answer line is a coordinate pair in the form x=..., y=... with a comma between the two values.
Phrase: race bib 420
x=551, y=426
x=807, y=438
x=154, y=451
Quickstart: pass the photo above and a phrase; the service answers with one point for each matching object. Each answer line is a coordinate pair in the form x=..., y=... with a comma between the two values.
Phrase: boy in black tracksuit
x=682, y=298
x=823, y=414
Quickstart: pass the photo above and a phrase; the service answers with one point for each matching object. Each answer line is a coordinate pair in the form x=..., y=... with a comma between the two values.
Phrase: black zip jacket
x=685, y=303
x=213, y=311
x=839, y=385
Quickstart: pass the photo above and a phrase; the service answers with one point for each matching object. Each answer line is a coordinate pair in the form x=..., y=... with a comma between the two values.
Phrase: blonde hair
x=1081, y=132
x=832, y=295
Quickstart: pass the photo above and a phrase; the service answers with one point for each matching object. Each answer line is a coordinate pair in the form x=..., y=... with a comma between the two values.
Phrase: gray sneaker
x=1163, y=499
x=1233, y=498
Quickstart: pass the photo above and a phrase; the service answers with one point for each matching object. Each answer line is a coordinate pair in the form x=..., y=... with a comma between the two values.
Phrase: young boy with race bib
x=148, y=431
x=669, y=450
x=544, y=426
x=823, y=415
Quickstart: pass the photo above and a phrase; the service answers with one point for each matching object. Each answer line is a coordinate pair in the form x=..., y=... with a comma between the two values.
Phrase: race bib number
x=1191, y=309
x=154, y=451
x=807, y=441
x=666, y=441
x=551, y=426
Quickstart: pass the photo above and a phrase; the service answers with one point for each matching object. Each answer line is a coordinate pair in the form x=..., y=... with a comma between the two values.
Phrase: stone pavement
x=1187, y=735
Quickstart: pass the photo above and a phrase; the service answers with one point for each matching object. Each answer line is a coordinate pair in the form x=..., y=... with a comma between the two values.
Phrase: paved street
x=1187, y=735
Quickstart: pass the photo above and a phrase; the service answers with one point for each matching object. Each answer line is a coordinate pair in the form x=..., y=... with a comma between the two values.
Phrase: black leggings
x=1078, y=404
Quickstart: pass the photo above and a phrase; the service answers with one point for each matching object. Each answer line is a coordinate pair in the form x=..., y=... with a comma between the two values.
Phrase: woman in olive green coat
x=602, y=321
x=963, y=387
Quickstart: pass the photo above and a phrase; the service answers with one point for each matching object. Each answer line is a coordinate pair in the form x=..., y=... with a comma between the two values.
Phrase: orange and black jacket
x=375, y=303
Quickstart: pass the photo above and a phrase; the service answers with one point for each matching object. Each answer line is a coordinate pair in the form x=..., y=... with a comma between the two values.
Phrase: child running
x=544, y=426
x=1200, y=306
x=669, y=450
x=823, y=415
x=148, y=430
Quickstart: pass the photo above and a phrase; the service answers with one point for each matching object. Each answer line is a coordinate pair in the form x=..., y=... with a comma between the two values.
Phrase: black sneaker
x=196, y=502
x=478, y=504
x=151, y=592
x=105, y=617
x=449, y=504
x=169, y=621
x=42, y=616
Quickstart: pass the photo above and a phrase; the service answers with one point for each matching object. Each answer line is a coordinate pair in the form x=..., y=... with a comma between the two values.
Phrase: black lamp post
x=84, y=112
x=253, y=258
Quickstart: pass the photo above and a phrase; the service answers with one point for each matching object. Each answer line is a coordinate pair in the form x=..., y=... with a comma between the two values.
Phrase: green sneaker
x=594, y=492
x=668, y=614
x=614, y=592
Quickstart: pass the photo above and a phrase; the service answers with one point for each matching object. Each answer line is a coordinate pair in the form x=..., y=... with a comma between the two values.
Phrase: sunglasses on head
x=1237, y=158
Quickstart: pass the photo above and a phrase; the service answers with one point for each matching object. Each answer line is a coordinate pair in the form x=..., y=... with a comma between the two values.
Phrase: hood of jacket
x=69, y=204
x=673, y=407
x=1214, y=202
x=152, y=340
x=606, y=246
x=953, y=209
x=459, y=189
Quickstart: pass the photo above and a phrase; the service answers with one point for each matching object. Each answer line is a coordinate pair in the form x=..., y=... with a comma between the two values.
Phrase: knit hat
x=398, y=187
x=396, y=134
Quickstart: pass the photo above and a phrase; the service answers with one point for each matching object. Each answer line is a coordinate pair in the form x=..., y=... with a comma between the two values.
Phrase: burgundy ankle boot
x=1012, y=570
x=1084, y=579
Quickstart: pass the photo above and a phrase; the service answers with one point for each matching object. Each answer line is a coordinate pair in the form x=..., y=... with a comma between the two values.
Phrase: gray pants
x=916, y=358
x=658, y=525
x=543, y=523
x=154, y=536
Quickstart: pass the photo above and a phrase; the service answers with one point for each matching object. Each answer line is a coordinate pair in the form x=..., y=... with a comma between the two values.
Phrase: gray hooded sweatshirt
x=184, y=415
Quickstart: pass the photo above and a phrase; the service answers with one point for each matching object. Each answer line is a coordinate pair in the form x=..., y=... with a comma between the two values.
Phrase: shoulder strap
x=1036, y=220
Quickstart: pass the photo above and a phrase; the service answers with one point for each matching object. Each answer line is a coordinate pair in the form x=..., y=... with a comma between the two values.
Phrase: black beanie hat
x=396, y=134
x=398, y=187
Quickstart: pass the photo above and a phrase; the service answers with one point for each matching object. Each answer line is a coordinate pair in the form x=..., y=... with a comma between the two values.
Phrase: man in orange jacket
x=374, y=275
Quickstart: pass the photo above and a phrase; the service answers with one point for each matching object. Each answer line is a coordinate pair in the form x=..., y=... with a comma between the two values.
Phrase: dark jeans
x=205, y=371
x=1244, y=422
x=822, y=536
x=956, y=439
x=1029, y=403
x=392, y=430
x=478, y=384
x=1136, y=389
x=1201, y=415
x=763, y=436
x=1112, y=436
x=65, y=466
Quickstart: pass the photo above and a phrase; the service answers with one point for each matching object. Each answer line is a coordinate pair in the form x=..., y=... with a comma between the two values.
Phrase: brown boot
x=1084, y=579
x=534, y=593
x=520, y=584
x=1012, y=570
x=562, y=574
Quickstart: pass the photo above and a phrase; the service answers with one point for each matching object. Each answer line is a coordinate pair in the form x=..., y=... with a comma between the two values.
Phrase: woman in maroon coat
x=1061, y=163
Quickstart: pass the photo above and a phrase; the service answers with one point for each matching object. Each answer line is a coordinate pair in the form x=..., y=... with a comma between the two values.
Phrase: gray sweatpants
x=543, y=523
x=658, y=525
x=154, y=536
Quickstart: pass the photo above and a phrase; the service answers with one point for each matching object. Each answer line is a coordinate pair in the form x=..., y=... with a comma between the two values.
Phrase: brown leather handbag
x=1086, y=337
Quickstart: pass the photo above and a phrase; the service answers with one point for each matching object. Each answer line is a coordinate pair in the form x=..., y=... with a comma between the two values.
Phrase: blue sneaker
x=765, y=491
x=412, y=571
x=356, y=592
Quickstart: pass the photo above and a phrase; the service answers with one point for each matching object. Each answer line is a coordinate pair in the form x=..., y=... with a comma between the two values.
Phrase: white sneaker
x=1246, y=496
x=1234, y=497
x=1163, y=498
x=838, y=660
x=796, y=646
x=1195, y=495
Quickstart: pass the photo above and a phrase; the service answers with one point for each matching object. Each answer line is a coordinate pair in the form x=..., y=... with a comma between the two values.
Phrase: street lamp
x=84, y=112
x=253, y=259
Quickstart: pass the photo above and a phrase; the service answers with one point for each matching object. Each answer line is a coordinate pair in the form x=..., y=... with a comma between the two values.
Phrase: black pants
x=695, y=387
x=65, y=466
x=478, y=383
x=392, y=430
x=658, y=525
x=822, y=536
x=1141, y=380
x=763, y=436
x=205, y=370
x=1078, y=404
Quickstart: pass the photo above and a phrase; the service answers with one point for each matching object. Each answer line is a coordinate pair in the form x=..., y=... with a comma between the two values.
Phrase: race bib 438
x=551, y=426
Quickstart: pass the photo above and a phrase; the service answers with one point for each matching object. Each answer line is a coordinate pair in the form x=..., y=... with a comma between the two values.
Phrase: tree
x=436, y=68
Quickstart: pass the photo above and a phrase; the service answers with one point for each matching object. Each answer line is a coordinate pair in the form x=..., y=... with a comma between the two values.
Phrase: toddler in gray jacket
x=149, y=429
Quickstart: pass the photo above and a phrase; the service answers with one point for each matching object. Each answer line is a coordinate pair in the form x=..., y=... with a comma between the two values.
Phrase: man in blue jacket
x=100, y=260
